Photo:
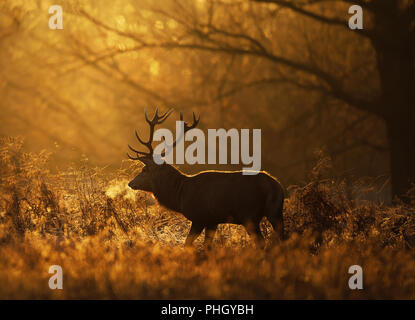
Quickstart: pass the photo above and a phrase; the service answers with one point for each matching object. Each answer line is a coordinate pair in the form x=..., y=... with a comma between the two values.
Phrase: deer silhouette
x=209, y=198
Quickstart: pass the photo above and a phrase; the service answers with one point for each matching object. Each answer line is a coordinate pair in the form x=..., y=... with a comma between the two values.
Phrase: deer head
x=151, y=170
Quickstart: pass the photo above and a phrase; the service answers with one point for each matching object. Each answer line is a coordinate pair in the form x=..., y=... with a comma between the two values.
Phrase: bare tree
x=261, y=45
x=390, y=33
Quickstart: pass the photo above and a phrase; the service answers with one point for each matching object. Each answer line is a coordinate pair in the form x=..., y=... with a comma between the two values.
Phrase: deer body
x=210, y=198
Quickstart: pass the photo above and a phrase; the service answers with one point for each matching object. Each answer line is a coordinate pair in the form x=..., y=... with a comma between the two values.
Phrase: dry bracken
x=113, y=243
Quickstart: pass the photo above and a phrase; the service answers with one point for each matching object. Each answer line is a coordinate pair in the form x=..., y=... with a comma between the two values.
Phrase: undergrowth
x=113, y=242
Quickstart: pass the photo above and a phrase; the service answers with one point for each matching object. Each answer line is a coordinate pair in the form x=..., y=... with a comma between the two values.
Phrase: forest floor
x=113, y=243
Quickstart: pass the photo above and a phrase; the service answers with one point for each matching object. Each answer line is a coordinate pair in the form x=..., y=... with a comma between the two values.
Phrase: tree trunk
x=395, y=62
x=395, y=58
x=401, y=134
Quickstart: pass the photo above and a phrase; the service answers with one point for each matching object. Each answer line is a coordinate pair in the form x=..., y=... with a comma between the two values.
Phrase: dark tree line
x=371, y=70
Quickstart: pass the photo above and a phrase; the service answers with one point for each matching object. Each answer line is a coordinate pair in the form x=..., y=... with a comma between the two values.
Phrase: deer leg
x=253, y=228
x=209, y=235
x=278, y=225
x=195, y=230
x=275, y=217
x=260, y=240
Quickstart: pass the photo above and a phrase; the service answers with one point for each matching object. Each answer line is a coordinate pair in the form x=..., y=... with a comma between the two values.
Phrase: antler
x=186, y=128
x=157, y=119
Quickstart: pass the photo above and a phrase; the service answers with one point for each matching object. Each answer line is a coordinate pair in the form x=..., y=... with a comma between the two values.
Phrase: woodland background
x=336, y=111
x=292, y=68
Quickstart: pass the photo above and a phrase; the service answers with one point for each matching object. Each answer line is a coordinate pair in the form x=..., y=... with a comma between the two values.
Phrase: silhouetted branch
x=115, y=68
x=255, y=49
x=299, y=7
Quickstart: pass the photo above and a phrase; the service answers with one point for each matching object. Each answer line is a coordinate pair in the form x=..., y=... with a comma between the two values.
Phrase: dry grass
x=115, y=243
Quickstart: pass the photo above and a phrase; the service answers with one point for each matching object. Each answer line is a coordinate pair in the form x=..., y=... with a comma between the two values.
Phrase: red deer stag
x=210, y=197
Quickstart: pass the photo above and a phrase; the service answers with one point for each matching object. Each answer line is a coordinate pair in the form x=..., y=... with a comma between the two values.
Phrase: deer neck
x=167, y=187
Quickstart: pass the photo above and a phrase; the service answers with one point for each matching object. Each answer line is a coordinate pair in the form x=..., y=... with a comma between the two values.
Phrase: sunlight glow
x=154, y=67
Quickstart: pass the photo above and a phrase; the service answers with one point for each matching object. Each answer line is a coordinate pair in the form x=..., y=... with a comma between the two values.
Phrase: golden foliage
x=112, y=243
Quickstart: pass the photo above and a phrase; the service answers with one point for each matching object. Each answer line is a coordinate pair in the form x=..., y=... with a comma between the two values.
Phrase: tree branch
x=336, y=89
x=333, y=85
x=307, y=13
